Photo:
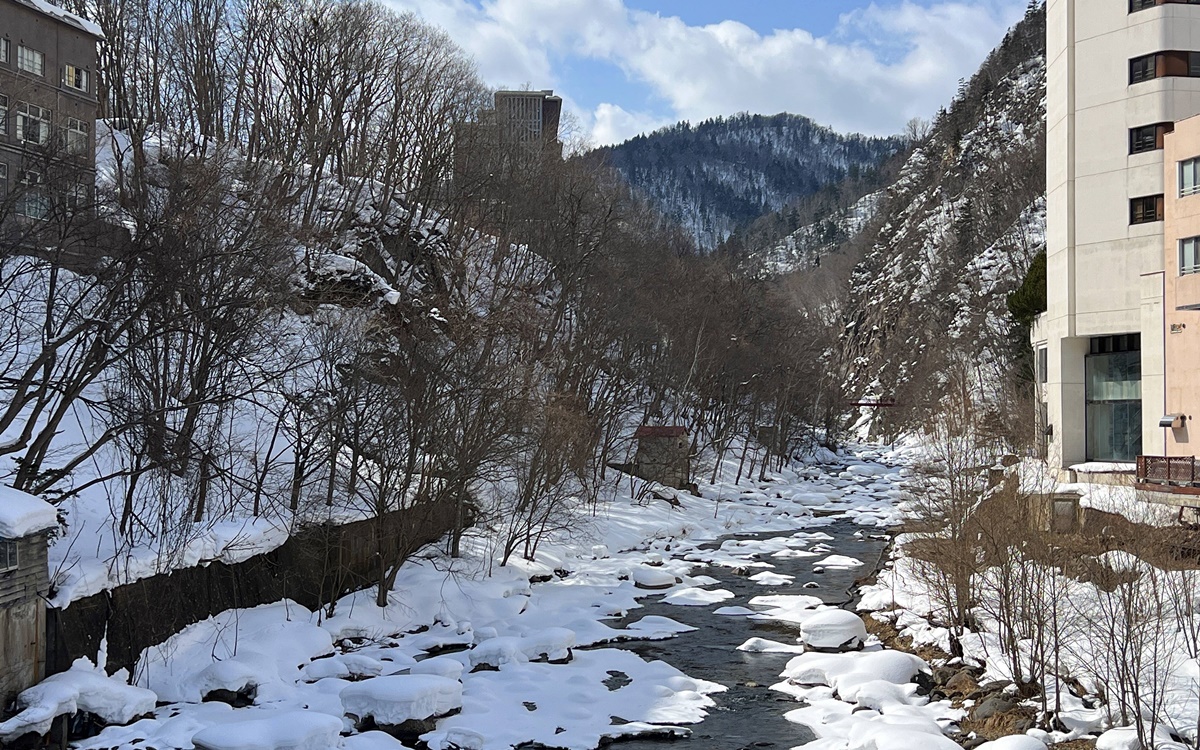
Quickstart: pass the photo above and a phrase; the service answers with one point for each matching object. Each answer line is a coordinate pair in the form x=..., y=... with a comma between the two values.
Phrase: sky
x=625, y=67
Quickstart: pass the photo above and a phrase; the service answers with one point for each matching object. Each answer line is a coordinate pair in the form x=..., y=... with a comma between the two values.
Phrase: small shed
x=664, y=455
x=25, y=523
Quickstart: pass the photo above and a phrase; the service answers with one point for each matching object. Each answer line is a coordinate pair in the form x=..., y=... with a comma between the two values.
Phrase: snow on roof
x=646, y=431
x=65, y=16
x=22, y=514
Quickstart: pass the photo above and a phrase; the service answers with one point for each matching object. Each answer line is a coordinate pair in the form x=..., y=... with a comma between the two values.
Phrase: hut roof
x=646, y=431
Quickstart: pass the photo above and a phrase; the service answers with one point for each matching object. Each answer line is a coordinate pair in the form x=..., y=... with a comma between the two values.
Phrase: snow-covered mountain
x=720, y=175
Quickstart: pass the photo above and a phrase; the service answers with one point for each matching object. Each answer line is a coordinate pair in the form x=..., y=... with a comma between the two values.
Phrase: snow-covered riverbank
x=505, y=657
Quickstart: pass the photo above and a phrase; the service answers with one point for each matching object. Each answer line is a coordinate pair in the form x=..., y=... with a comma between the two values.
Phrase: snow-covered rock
x=396, y=699
x=697, y=597
x=649, y=577
x=80, y=688
x=285, y=730
x=833, y=629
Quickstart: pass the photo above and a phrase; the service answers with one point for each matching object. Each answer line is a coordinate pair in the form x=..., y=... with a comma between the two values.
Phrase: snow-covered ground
x=492, y=660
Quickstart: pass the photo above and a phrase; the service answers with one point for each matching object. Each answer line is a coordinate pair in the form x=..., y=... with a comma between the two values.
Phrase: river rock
x=833, y=629
x=992, y=706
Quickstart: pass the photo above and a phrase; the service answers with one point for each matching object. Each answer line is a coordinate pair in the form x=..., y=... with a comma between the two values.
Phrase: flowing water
x=749, y=714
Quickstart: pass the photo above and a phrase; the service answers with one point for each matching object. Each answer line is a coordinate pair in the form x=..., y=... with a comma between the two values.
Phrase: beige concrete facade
x=1105, y=278
x=1181, y=294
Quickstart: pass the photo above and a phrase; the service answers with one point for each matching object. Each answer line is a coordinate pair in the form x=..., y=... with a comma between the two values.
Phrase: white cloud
x=610, y=123
x=883, y=65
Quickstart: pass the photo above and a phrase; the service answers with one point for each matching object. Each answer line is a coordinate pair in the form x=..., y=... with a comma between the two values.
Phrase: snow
x=394, y=700
x=838, y=561
x=1105, y=467
x=1014, y=742
x=546, y=675
x=66, y=17
x=285, y=730
x=22, y=514
x=83, y=687
x=766, y=578
x=652, y=578
x=697, y=597
x=833, y=628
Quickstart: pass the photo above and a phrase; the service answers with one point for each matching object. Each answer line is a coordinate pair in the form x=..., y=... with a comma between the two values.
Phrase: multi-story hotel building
x=1118, y=348
x=48, y=105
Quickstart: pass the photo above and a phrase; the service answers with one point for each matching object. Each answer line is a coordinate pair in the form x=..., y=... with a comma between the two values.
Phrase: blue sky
x=628, y=66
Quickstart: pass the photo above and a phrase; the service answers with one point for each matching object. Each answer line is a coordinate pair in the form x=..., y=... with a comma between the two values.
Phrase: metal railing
x=1166, y=469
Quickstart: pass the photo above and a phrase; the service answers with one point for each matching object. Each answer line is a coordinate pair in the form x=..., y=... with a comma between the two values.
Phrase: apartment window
x=31, y=60
x=4, y=47
x=1173, y=64
x=77, y=78
x=1189, y=256
x=3, y=179
x=3, y=114
x=9, y=557
x=32, y=203
x=1143, y=68
x=33, y=124
x=76, y=197
x=1113, y=397
x=1149, y=137
x=1136, y=5
x=1189, y=177
x=1043, y=365
x=1146, y=209
x=75, y=136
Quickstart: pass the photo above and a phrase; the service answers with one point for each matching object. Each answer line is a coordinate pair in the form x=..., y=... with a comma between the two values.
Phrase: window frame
x=10, y=555
x=1136, y=6
x=43, y=116
x=1192, y=167
x=1158, y=131
x=5, y=49
x=1138, y=76
x=83, y=75
x=76, y=127
x=1186, y=269
x=1138, y=213
x=34, y=54
x=3, y=114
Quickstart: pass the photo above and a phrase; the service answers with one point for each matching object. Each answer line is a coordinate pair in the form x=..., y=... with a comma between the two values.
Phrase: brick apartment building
x=48, y=106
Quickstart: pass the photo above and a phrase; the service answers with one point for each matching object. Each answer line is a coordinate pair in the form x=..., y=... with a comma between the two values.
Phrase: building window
x=1143, y=68
x=1149, y=137
x=1173, y=64
x=4, y=47
x=3, y=179
x=1136, y=5
x=1189, y=255
x=76, y=198
x=1189, y=177
x=77, y=78
x=75, y=135
x=9, y=557
x=32, y=202
x=1146, y=209
x=1043, y=365
x=31, y=60
x=3, y=114
x=33, y=124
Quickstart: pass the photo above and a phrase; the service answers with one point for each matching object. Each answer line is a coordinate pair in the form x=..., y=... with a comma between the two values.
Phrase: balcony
x=1176, y=475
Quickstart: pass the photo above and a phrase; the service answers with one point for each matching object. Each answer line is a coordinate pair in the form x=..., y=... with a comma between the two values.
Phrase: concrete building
x=48, y=106
x=527, y=116
x=1121, y=75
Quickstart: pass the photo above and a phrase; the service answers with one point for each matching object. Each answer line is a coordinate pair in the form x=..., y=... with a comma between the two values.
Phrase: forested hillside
x=720, y=175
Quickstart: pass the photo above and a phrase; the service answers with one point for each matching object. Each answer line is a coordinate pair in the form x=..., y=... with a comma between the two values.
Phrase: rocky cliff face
x=952, y=237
